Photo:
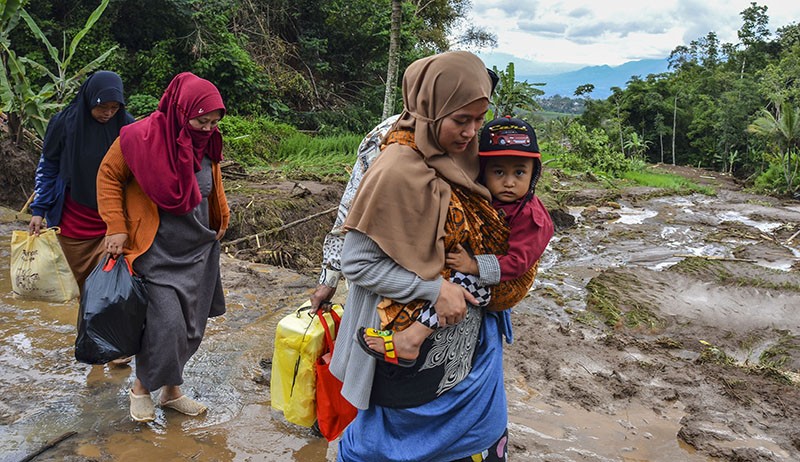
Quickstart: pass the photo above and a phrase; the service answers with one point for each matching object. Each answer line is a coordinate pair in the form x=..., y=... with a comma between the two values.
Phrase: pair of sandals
x=143, y=409
x=390, y=356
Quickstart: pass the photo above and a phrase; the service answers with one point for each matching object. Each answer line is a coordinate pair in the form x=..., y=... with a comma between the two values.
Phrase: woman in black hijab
x=76, y=140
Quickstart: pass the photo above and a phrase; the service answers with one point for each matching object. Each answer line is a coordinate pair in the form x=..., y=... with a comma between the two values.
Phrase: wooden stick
x=792, y=238
x=48, y=445
x=281, y=228
x=712, y=257
x=30, y=199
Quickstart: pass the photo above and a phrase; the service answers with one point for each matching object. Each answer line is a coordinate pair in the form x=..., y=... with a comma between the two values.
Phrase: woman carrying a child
x=419, y=201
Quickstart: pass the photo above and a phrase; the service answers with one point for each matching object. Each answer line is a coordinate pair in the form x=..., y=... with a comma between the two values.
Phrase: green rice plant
x=667, y=181
x=602, y=303
x=329, y=157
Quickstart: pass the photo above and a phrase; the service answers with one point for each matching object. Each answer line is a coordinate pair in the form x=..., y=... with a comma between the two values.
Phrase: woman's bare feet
x=121, y=362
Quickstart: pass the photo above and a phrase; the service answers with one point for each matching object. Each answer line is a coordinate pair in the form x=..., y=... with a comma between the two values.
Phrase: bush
x=592, y=150
x=253, y=142
x=773, y=181
x=612, y=162
x=141, y=105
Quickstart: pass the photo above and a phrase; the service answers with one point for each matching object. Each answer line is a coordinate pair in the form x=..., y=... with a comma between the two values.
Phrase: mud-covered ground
x=663, y=329
x=660, y=328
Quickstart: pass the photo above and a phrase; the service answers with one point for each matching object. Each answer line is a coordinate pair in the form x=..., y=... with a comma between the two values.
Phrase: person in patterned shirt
x=331, y=273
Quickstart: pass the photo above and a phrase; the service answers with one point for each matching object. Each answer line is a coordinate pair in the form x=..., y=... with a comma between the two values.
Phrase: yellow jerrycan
x=299, y=341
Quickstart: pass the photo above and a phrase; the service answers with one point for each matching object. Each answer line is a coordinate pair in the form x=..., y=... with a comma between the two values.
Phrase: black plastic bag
x=112, y=313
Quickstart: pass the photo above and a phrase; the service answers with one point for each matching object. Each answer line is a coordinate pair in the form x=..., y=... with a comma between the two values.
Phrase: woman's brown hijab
x=403, y=199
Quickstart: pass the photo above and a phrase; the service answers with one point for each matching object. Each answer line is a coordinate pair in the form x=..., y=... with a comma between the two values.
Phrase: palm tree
x=511, y=95
x=558, y=129
x=782, y=128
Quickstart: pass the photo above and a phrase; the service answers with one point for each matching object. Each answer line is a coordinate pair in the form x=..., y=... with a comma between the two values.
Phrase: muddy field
x=660, y=328
x=663, y=328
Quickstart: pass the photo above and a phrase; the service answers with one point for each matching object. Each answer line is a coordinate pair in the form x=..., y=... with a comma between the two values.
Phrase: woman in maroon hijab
x=159, y=190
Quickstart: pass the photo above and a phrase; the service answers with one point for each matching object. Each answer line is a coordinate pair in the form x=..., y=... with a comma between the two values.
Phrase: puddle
x=765, y=227
x=46, y=393
x=637, y=433
x=629, y=216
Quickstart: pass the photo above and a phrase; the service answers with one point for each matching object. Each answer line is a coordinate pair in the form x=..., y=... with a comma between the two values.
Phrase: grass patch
x=667, y=181
x=714, y=354
x=317, y=158
x=261, y=143
x=252, y=142
x=714, y=270
x=587, y=318
x=780, y=353
x=696, y=266
x=615, y=311
x=552, y=294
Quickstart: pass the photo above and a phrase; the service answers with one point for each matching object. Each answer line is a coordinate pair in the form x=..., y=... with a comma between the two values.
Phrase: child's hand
x=460, y=260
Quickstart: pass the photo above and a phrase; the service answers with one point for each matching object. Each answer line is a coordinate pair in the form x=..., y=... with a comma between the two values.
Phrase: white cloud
x=614, y=31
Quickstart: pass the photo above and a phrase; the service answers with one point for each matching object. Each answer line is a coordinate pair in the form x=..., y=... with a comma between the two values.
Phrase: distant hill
x=602, y=77
x=526, y=67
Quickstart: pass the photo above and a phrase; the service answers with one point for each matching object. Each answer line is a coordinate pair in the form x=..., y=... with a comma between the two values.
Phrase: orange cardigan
x=127, y=209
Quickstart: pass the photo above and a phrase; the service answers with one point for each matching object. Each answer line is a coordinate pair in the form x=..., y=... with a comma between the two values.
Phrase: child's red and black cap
x=508, y=136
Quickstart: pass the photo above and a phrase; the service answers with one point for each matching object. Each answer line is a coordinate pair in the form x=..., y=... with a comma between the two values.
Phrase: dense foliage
x=699, y=112
x=319, y=65
x=286, y=67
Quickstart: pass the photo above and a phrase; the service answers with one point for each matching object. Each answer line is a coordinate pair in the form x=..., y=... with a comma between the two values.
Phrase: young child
x=511, y=166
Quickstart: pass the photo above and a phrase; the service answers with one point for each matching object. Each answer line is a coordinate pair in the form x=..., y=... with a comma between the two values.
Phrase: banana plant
x=27, y=105
x=782, y=128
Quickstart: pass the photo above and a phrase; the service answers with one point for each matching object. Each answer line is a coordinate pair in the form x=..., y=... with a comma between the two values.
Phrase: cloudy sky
x=614, y=31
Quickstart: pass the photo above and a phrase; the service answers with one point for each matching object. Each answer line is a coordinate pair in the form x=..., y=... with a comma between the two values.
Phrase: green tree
x=28, y=103
x=753, y=36
x=511, y=95
x=782, y=128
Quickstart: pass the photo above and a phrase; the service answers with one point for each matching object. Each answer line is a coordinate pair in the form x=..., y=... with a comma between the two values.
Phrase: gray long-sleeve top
x=374, y=275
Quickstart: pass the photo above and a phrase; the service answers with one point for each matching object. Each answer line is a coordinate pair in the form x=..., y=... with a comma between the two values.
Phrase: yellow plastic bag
x=39, y=269
x=299, y=341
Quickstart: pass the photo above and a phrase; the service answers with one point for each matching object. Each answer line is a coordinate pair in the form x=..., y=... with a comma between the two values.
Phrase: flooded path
x=578, y=391
x=47, y=394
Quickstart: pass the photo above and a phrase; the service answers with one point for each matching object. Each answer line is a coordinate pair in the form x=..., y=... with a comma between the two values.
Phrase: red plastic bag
x=334, y=412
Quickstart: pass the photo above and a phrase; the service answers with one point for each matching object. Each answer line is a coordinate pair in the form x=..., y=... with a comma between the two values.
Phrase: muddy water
x=46, y=394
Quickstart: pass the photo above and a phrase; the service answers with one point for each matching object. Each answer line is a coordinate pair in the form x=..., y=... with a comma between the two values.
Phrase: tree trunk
x=661, y=142
x=674, y=125
x=621, y=141
x=394, y=57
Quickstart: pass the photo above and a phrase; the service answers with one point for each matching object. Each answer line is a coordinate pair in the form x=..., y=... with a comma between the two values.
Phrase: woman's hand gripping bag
x=39, y=269
x=299, y=342
x=112, y=313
